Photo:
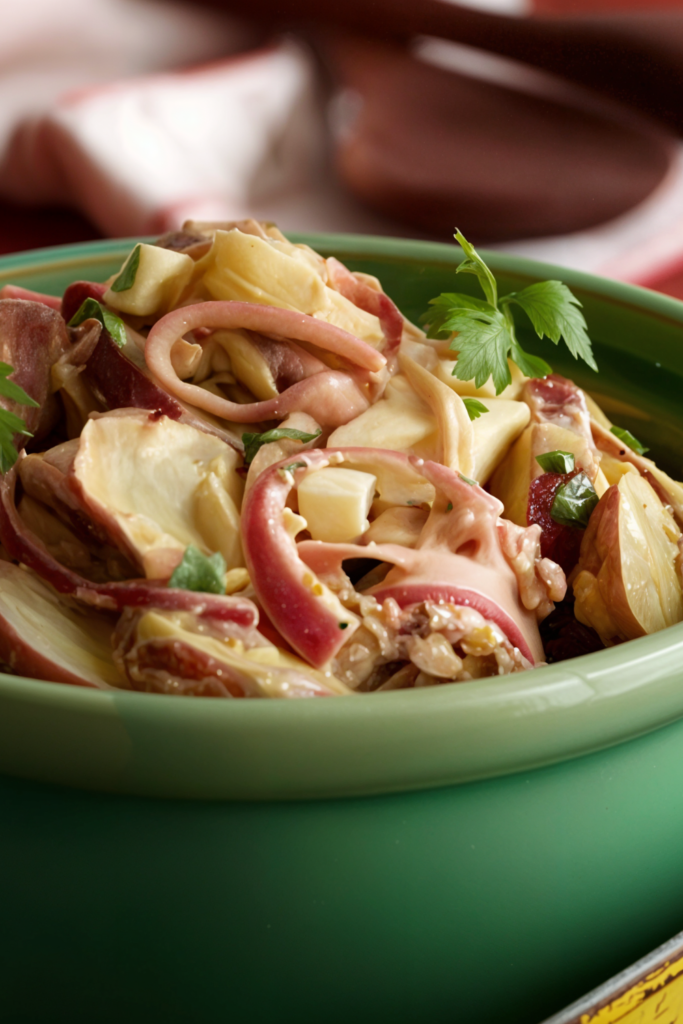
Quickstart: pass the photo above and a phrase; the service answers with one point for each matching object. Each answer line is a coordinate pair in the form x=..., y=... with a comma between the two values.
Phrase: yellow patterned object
x=649, y=992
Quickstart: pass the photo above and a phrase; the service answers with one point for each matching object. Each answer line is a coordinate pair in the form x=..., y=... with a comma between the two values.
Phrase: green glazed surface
x=157, y=745
x=483, y=902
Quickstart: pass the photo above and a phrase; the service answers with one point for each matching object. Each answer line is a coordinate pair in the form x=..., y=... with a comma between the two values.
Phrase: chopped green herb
x=556, y=462
x=343, y=625
x=197, y=572
x=11, y=424
x=252, y=442
x=486, y=328
x=292, y=466
x=574, y=502
x=449, y=506
x=467, y=480
x=126, y=278
x=474, y=407
x=91, y=309
x=627, y=438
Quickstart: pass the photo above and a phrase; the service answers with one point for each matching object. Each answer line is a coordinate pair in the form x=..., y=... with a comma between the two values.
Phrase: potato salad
x=236, y=470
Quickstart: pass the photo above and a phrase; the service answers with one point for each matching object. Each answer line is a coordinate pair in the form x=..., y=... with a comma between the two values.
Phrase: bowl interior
x=157, y=745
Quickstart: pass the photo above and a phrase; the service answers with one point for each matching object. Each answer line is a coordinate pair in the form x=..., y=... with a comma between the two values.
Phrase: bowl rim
x=301, y=749
x=392, y=249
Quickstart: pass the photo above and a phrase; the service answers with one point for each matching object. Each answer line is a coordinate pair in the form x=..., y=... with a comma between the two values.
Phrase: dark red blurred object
x=631, y=51
x=437, y=149
x=560, y=543
x=28, y=227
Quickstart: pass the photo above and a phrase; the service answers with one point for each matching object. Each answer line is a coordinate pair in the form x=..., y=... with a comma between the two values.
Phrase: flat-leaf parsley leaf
x=129, y=271
x=197, y=572
x=486, y=328
x=574, y=502
x=252, y=442
x=556, y=462
x=10, y=423
x=91, y=309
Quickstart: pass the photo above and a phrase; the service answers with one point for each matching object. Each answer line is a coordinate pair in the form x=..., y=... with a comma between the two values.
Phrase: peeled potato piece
x=156, y=486
x=627, y=585
x=43, y=638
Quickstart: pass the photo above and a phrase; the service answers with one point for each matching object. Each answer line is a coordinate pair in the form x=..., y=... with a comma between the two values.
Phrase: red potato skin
x=601, y=556
x=23, y=660
x=277, y=570
x=268, y=630
x=122, y=385
x=15, y=291
x=210, y=677
x=24, y=547
x=278, y=573
x=117, y=380
x=32, y=338
x=76, y=294
x=560, y=543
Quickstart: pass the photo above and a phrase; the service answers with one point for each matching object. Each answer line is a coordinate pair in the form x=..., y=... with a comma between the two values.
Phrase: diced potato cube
x=335, y=503
x=160, y=278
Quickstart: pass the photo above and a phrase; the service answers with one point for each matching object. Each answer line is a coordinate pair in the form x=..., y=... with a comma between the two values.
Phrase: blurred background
x=548, y=128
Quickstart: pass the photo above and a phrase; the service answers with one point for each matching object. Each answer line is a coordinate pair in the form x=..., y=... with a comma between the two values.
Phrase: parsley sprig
x=574, y=502
x=558, y=461
x=199, y=572
x=253, y=442
x=91, y=309
x=128, y=273
x=627, y=438
x=474, y=407
x=486, y=328
x=11, y=424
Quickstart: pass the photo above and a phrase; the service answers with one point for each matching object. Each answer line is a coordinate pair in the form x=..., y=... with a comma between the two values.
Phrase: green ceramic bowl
x=483, y=852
